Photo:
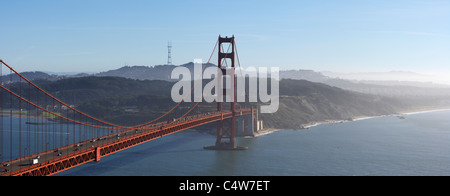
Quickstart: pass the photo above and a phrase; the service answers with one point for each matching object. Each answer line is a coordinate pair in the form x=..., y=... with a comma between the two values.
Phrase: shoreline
x=266, y=132
x=23, y=115
x=307, y=126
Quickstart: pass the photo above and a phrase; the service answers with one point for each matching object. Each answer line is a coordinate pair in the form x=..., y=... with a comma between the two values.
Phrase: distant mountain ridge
x=301, y=74
x=130, y=102
x=158, y=72
x=133, y=101
x=163, y=72
x=31, y=75
x=389, y=88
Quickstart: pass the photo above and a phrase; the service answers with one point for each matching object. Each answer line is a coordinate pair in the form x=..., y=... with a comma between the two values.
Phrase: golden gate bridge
x=41, y=135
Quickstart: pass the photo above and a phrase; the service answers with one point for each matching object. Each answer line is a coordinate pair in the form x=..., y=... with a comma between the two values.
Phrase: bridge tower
x=226, y=138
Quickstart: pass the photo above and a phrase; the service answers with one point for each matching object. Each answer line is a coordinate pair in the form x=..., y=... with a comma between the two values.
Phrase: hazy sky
x=333, y=35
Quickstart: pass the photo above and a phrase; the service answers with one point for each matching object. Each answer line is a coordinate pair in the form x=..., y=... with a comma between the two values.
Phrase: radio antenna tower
x=169, y=57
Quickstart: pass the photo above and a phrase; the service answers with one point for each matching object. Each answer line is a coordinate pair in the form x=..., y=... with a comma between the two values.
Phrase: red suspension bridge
x=41, y=135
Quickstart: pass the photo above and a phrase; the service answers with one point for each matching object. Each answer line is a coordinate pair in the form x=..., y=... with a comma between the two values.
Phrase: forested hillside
x=130, y=102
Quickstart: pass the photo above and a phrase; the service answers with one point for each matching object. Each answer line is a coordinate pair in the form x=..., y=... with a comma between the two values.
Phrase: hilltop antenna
x=169, y=56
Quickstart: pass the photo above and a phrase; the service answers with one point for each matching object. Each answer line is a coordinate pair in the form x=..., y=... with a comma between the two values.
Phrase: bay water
x=416, y=145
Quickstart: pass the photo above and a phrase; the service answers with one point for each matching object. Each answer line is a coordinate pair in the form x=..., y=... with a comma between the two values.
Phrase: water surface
x=417, y=145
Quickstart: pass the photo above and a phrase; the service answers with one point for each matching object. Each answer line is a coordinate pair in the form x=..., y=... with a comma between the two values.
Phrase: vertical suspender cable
x=20, y=119
x=10, y=119
x=46, y=130
x=1, y=116
x=61, y=138
x=53, y=125
x=35, y=128
x=38, y=121
x=74, y=128
x=28, y=120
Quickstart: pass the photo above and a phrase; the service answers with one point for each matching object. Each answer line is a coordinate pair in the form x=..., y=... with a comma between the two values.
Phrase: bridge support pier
x=245, y=126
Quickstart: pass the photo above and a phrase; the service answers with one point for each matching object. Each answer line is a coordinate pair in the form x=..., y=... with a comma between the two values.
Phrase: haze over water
x=418, y=145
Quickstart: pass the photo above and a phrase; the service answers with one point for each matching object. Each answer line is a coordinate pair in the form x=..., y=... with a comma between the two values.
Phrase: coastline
x=266, y=132
x=309, y=125
x=22, y=115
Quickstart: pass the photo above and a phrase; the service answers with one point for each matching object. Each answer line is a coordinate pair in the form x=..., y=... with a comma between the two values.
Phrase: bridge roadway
x=63, y=158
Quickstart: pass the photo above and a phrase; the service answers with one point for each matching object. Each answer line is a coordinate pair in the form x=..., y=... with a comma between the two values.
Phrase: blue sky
x=331, y=35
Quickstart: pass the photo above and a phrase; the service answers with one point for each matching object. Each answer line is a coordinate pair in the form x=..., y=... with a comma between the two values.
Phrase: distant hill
x=381, y=76
x=158, y=72
x=303, y=102
x=85, y=89
x=392, y=88
x=300, y=74
x=163, y=72
x=36, y=75
x=369, y=83
x=132, y=95
x=130, y=102
x=114, y=99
